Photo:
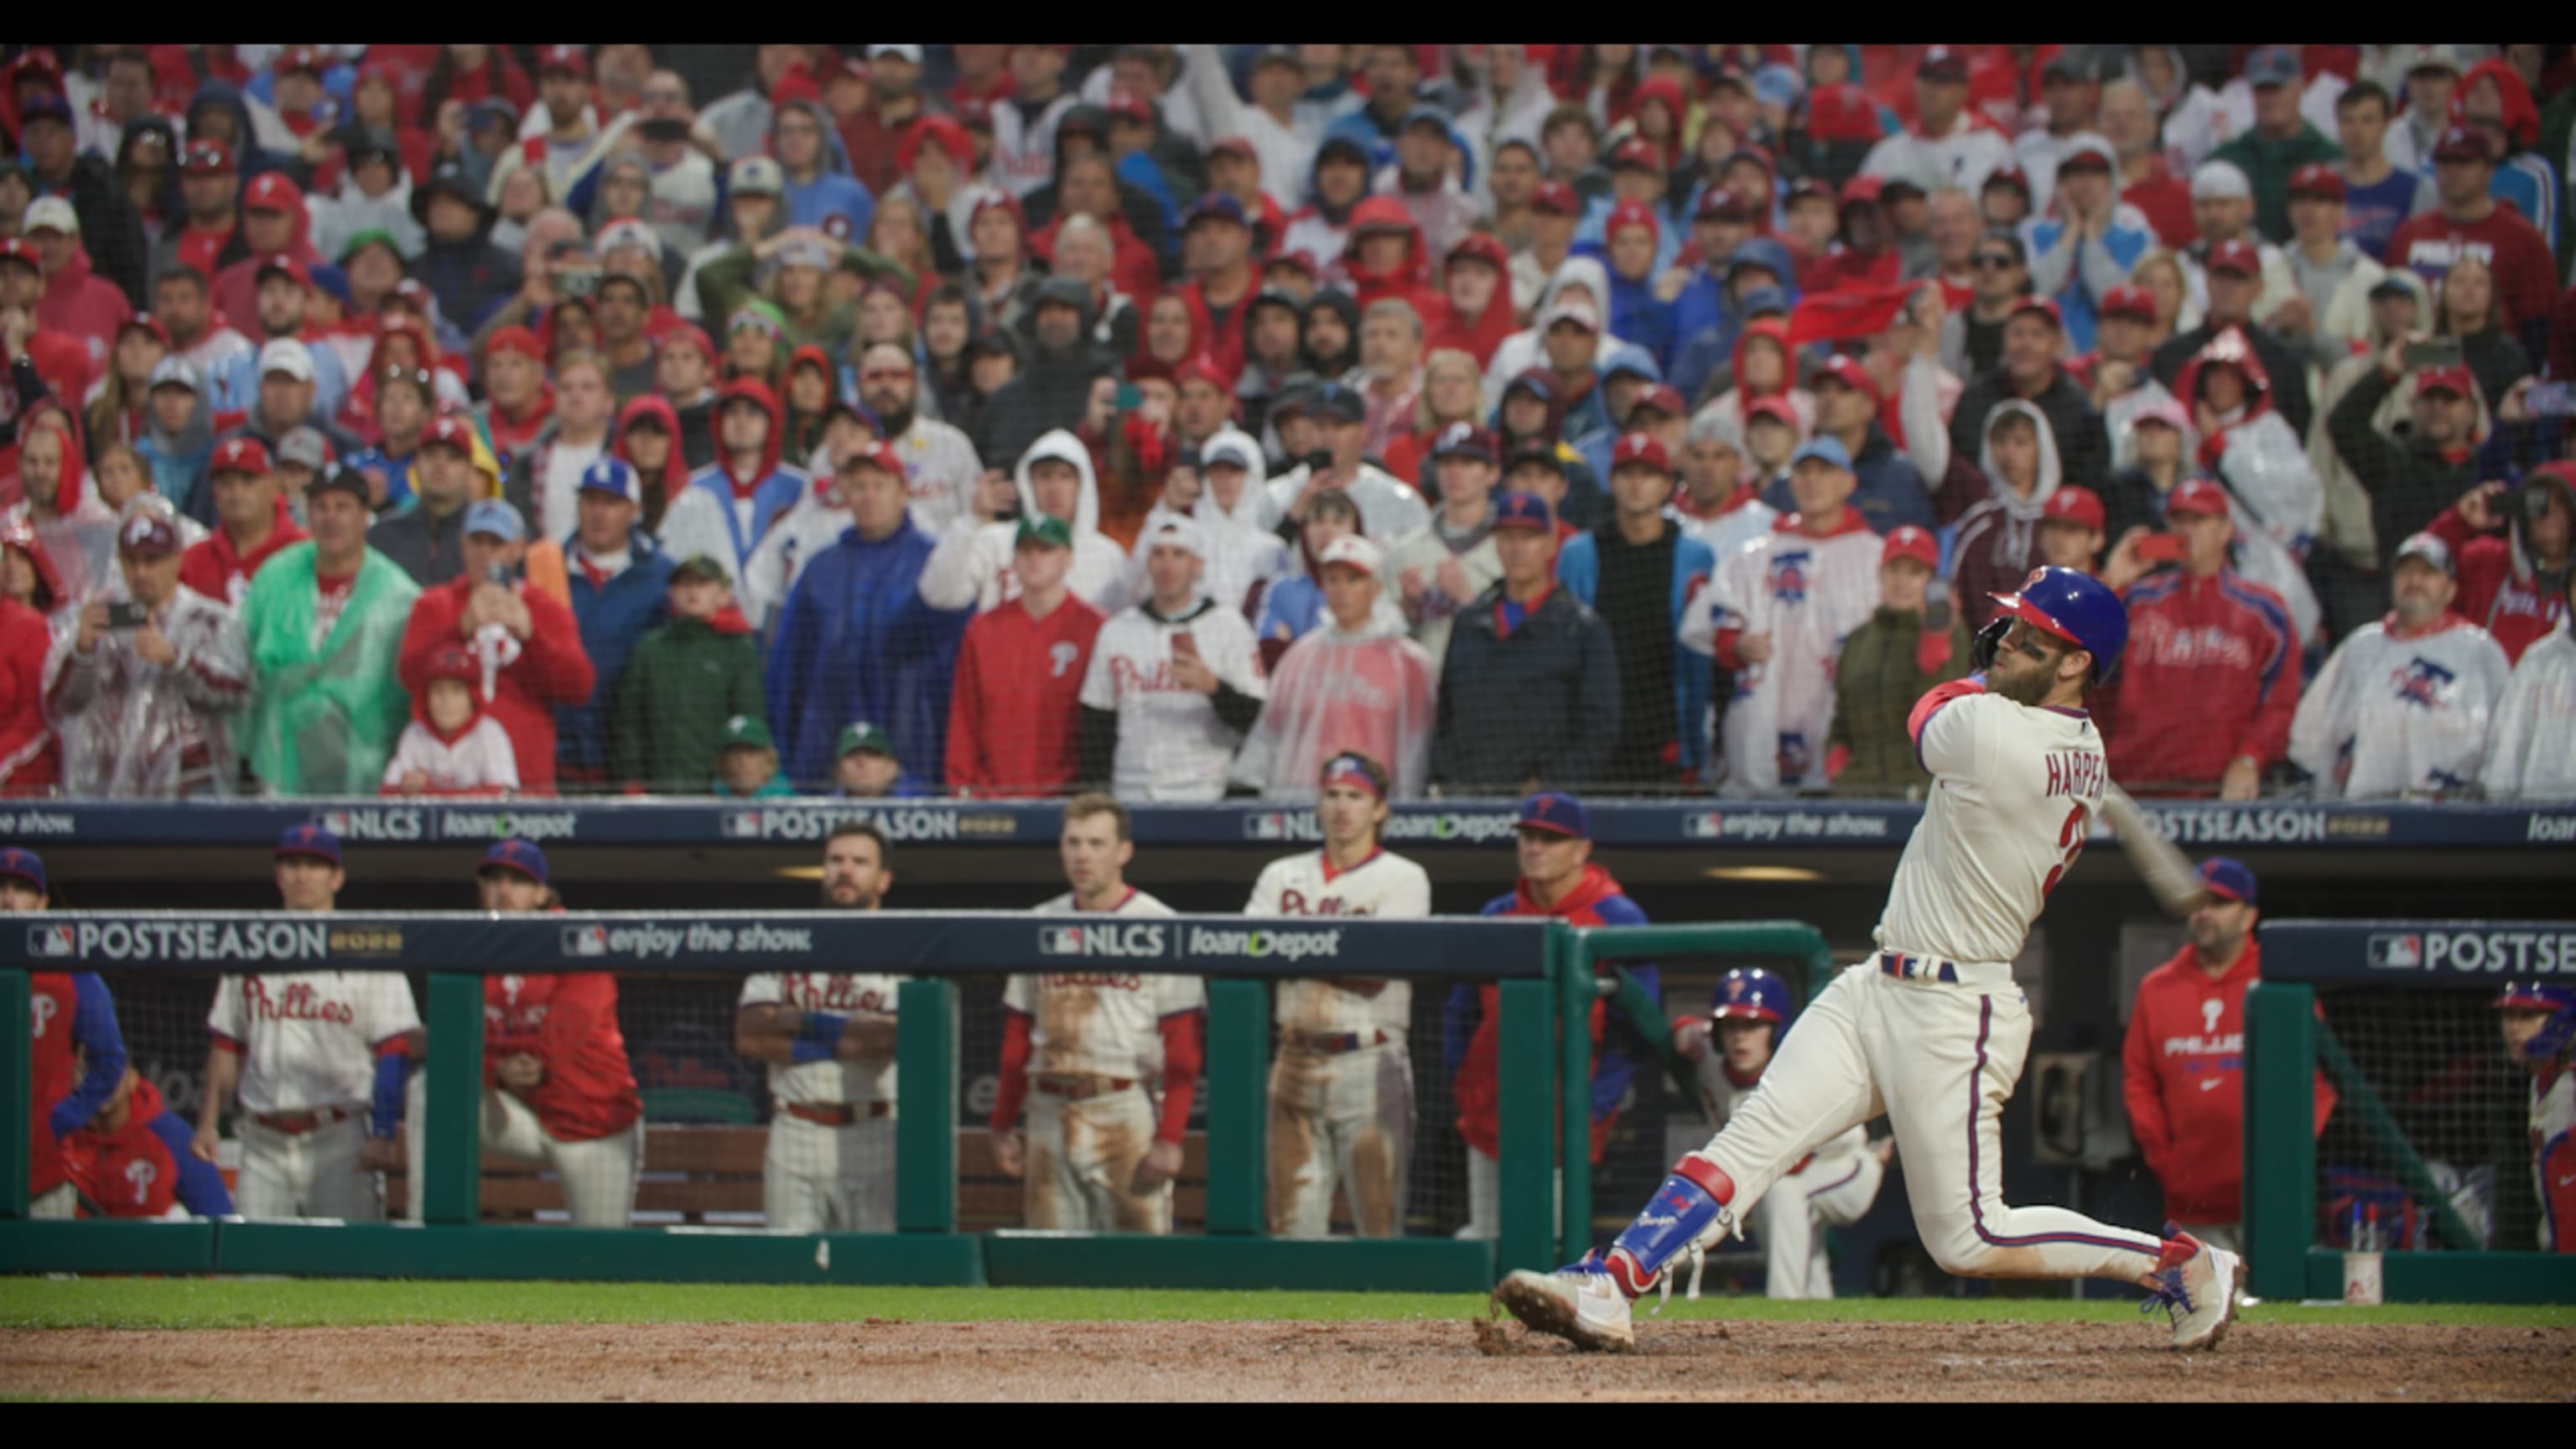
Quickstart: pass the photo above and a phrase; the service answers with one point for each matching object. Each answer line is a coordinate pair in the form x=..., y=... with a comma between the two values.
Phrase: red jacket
x=569, y=1023
x=551, y=669
x=52, y=1000
x=1597, y=901
x=215, y=567
x=129, y=1173
x=1018, y=697
x=30, y=759
x=82, y=304
x=2210, y=673
x=2499, y=589
x=2184, y=1078
x=1221, y=345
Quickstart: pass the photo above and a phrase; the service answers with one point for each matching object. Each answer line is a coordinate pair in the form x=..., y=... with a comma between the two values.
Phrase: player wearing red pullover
x=1557, y=878
x=2211, y=678
x=1012, y=716
x=526, y=639
x=2184, y=1063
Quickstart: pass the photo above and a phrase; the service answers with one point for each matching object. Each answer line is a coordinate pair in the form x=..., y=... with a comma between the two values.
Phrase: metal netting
x=2427, y=1145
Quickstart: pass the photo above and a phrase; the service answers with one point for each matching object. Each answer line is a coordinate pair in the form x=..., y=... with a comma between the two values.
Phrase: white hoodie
x=813, y=523
x=973, y=563
x=2532, y=754
x=1521, y=351
x=1240, y=552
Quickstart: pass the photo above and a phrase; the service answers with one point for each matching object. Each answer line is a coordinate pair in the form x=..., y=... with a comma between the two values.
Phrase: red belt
x=1077, y=1087
x=296, y=1124
x=1332, y=1042
x=836, y=1114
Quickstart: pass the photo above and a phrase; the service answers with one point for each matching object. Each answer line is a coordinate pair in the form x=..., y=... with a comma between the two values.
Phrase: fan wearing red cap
x=1914, y=641
x=2470, y=221
x=2071, y=530
x=2203, y=705
x=2334, y=274
x=1341, y=1097
x=1640, y=570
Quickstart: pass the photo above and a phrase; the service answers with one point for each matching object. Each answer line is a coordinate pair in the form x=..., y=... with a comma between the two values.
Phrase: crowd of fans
x=1000, y=419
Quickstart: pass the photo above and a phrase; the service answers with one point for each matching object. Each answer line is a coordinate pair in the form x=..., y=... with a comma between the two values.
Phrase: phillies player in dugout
x=1100, y=1152
x=67, y=1012
x=1341, y=1086
x=1930, y=1029
x=2184, y=1060
x=317, y=1058
x=829, y=1041
x=556, y=1086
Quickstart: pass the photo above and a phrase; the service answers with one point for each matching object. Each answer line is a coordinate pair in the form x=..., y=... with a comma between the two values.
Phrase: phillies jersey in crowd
x=2553, y=1154
x=568, y=1022
x=68, y=1013
x=2532, y=754
x=2210, y=673
x=2015, y=789
x=1017, y=701
x=1103, y=1023
x=2184, y=1079
x=827, y=1079
x=2525, y=272
x=1171, y=745
x=1806, y=594
x=309, y=1040
x=1381, y=884
x=2401, y=712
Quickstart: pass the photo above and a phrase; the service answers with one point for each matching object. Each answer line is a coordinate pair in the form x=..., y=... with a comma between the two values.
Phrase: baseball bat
x=2168, y=875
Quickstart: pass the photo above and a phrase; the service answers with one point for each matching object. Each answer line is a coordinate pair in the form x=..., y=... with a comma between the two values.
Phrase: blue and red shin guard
x=1690, y=1207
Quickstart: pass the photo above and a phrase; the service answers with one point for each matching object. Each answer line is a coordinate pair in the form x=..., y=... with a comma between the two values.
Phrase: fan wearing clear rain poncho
x=1356, y=683
x=2403, y=706
x=145, y=710
x=2531, y=754
x=972, y=564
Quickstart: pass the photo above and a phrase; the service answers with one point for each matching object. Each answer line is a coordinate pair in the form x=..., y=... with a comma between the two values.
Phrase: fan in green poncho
x=328, y=712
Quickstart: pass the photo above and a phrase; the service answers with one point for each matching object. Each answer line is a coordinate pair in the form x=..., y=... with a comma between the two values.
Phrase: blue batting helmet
x=2549, y=996
x=2077, y=608
x=1750, y=993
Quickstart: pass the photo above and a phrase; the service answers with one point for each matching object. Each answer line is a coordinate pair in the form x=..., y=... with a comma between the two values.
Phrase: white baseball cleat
x=1578, y=1304
x=2198, y=1287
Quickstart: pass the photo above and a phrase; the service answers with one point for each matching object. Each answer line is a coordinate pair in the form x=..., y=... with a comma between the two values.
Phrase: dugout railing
x=2424, y=1158
x=1241, y=958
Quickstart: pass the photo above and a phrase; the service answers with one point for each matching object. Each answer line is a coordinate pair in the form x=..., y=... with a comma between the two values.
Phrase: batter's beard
x=2029, y=689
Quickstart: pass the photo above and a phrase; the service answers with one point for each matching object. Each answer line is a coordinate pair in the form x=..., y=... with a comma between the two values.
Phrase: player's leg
x=511, y=1128
x=1300, y=1147
x=599, y=1176
x=1373, y=1136
x=265, y=1186
x=1051, y=1196
x=794, y=1171
x=1484, y=1198
x=338, y=1187
x=1785, y=1225
x=62, y=1200
x=1122, y=1128
x=415, y=1129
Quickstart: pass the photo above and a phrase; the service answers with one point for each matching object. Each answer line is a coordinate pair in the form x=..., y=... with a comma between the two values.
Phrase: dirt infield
x=886, y=1360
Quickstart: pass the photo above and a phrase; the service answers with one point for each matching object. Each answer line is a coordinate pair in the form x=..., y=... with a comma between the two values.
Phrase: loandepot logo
x=1438, y=827
x=1260, y=945
x=2502, y=953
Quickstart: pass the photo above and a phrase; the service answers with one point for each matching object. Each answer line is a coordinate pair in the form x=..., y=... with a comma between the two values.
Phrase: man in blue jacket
x=1638, y=569
x=2087, y=243
x=620, y=584
x=856, y=642
x=1712, y=309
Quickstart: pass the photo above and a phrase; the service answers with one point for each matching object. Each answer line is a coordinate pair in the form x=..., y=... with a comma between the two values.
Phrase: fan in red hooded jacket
x=1216, y=248
x=2514, y=584
x=1385, y=258
x=661, y=466
x=1475, y=311
x=30, y=758
x=2184, y=1061
x=525, y=639
x=1557, y=878
x=77, y=302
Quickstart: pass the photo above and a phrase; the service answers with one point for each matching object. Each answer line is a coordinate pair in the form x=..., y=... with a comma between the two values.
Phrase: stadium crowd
x=1006, y=419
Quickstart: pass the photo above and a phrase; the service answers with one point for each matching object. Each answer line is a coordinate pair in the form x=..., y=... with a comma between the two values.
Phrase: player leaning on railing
x=1931, y=1030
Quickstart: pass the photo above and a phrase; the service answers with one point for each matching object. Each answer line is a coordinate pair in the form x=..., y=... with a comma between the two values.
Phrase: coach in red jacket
x=2184, y=1065
x=527, y=640
x=2204, y=697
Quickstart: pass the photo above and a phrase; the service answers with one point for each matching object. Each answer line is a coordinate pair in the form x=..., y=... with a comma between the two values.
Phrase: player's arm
x=200, y=1186
x=1943, y=725
x=1010, y=1092
x=223, y=1075
x=786, y=1036
x=102, y=1049
x=1184, y=1054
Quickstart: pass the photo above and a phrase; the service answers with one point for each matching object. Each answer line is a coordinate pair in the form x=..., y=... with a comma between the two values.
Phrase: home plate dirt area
x=885, y=1359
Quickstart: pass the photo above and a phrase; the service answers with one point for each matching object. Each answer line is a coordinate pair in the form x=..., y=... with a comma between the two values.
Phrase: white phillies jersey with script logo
x=308, y=1038
x=1383, y=885
x=1103, y=1021
x=1171, y=744
x=2015, y=789
x=842, y=994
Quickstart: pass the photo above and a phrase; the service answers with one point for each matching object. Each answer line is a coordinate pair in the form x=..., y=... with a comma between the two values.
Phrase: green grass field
x=194, y=1303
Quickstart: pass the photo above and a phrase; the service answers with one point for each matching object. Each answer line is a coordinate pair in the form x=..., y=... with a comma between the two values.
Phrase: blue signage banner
x=2419, y=953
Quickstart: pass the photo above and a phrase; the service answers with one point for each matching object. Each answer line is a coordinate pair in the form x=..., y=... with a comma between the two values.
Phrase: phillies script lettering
x=831, y=993
x=299, y=1002
x=1294, y=903
x=1126, y=677
x=1094, y=979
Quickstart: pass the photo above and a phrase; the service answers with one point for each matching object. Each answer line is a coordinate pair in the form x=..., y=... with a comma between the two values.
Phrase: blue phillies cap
x=2271, y=66
x=310, y=841
x=1517, y=509
x=1555, y=810
x=25, y=865
x=1215, y=206
x=2226, y=879
x=515, y=854
x=492, y=516
x=611, y=476
x=1828, y=449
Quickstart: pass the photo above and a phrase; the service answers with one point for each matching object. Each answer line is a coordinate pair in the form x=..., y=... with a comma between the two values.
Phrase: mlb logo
x=49, y=942
x=742, y=824
x=1266, y=827
x=1706, y=825
x=335, y=821
x=1060, y=941
x=585, y=940
x=2392, y=952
